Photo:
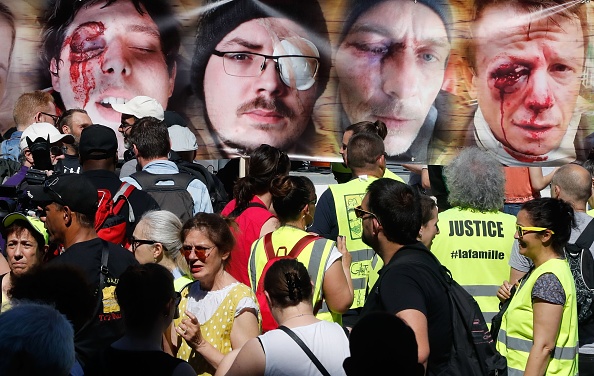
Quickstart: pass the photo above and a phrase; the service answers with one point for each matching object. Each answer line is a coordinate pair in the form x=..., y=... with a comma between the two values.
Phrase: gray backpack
x=174, y=198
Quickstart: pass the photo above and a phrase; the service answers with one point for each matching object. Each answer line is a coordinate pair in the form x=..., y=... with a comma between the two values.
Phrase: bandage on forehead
x=297, y=72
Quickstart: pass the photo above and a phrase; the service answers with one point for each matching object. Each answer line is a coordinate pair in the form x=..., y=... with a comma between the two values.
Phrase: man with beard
x=390, y=214
x=335, y=211
x=72, y=122
x=259, y=67
x=390, y=63
x=104, y=52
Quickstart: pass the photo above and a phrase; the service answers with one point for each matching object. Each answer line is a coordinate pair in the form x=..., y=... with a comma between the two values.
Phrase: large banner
x=511, y=77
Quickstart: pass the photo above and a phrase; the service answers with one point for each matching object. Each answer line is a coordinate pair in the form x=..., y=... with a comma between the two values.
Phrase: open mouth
x=108, y=101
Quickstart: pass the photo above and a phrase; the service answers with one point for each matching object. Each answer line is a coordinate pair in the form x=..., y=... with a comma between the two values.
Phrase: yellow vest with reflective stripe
x=314, y=256
x=516, y=334
x=347, y=196
x=475, y=246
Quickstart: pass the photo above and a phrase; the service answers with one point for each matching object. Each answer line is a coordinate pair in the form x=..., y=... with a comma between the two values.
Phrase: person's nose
x=269, y=80
x=401, y=75
x=18, y=251
x=116, y=60
x=539, y=96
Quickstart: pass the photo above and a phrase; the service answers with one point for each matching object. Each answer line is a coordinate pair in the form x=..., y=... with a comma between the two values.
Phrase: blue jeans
x=512, y=209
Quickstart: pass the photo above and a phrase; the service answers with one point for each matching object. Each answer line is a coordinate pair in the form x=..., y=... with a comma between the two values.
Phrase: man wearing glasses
x=33, y=107
x=70, y=204
x=259, y=69
x=573, y=184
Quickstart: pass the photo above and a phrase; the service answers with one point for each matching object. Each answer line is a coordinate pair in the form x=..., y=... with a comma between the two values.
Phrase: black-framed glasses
x=364, y=214
x=524, y=230
x=314, y=201
x=177, y=298
x=138, y=242
x=200, y=251
x=55, y=118
x=298, y=71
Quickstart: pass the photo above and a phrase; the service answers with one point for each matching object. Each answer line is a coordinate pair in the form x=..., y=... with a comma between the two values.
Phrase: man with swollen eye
x=259, y=67
x=104, y=52
x=390, y=63
x=525, y=78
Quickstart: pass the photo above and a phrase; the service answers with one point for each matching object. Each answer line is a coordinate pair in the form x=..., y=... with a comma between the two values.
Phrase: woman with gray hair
x=156, y=239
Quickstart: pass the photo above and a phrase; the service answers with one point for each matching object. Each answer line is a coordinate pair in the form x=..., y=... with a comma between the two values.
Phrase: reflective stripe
x=374, y=261
x=361, y=255
x=489, y=316
x=315, y=259
x=359, y=283
x=481, y=290
x=559, y=353
x=514, y=372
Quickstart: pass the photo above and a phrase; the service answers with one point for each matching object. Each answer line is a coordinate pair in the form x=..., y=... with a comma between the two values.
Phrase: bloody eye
x=508, y=76
x=87, y=42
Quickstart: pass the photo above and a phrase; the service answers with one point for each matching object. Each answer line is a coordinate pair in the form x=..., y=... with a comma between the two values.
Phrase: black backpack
x=473, y=350
x=174, y=198
x=216, y=189
x=581, y=264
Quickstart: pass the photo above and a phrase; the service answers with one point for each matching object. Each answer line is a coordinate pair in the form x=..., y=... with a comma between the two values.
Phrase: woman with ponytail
x=251, y=205
x=289, y=292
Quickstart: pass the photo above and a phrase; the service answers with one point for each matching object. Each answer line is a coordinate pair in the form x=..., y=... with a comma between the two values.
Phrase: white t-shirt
x=326, y=340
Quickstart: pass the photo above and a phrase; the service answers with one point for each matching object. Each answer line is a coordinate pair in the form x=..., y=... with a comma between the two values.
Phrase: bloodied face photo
x=109, y=52
x=526, y=78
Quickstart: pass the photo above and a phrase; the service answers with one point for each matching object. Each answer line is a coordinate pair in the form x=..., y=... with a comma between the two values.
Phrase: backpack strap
x=305, y=349
x=295, y=251
x=147, y=179
x=586, y=238
x=121, y=197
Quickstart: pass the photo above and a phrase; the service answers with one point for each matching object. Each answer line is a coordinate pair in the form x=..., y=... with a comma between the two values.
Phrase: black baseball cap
x=97, y=142
x=72, y=190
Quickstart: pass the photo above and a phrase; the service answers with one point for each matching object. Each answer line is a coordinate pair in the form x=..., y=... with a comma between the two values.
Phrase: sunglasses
x=364, y=214
x=138, y=242
x=523, y=230
x=199, y=250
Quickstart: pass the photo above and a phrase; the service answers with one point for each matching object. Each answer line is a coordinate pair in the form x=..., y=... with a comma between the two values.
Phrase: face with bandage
x=526, y=77
x=260, y=84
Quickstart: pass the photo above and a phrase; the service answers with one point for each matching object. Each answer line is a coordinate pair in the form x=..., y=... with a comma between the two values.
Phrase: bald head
x=572, y=183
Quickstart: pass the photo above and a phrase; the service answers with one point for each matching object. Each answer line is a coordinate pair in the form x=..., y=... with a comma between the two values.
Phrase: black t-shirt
x=115, y=362
x=325, y=223
x=140, y=201
x=70, y=164
x=106, y=325
x=411, y=286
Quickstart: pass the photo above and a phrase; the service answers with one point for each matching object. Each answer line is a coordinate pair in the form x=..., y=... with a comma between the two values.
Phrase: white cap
x=182, y=138
x=45, y=131
x=140, y=107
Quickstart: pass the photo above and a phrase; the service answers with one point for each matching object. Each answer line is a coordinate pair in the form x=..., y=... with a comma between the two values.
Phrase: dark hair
x=215, y=227
x=17, y=228
x=588, y=164
x=266, y=163
x=290, y=194
x=562, y=8
x=151, y=138
x=86, y=220
x=143, y=292
x=554, y=214
x=378, y=127
x=427, y=206
x=66, y=117
x=59, y=14
x=64, y=286
x=9, y=17
x=364, y=149
x=397, y=208
x=288, y=283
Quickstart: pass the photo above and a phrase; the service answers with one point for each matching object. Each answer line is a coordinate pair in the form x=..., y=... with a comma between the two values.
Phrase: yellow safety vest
x=347, y=196
x=314, y=256
x=516, y=334
x=475, y=246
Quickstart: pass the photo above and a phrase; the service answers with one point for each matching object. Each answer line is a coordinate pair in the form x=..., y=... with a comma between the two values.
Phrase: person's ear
x=54, y=74
x=157, y=251
x=172, y=79
x=67, y=215
x=268, y=298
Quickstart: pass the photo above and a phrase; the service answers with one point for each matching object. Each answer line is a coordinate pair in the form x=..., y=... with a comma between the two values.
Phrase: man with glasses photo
x=259, y=68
